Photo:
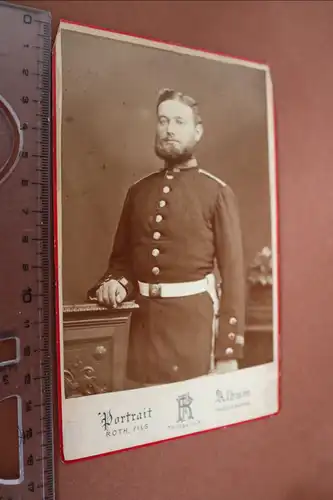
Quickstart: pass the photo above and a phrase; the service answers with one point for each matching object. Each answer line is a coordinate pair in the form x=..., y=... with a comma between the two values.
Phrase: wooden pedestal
x=95, y=348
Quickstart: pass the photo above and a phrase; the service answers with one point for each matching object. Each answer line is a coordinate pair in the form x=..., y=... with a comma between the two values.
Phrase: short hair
x=173, y=95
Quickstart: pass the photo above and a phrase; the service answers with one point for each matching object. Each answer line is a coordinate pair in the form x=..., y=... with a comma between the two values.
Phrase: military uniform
x=175, y=224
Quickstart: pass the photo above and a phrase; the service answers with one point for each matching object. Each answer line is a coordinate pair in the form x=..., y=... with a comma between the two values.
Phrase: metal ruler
x=26, y=269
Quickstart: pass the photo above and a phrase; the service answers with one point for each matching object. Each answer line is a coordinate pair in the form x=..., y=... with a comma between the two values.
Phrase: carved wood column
x=95, y=348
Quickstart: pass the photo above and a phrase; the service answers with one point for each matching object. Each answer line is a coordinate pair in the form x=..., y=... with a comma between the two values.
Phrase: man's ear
x=198, y=131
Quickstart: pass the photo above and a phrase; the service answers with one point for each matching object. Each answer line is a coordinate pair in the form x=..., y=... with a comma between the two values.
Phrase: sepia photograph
x=166, y=241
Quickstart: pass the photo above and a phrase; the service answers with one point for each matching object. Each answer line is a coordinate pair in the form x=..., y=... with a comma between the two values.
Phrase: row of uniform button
x=229, y=350
x=232, y=336
x=158, y=219
x=156, y=251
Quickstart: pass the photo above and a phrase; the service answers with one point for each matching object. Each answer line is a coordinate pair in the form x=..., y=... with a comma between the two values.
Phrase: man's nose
x=171, y=127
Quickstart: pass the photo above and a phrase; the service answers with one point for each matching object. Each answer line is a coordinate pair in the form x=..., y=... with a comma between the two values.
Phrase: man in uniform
x=176, y=224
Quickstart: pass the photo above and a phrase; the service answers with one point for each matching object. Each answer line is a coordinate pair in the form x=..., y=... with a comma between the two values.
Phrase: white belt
x=207, y=284
x=175, y=289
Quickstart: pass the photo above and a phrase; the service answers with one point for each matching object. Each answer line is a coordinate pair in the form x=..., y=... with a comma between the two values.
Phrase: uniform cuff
x=230, y=340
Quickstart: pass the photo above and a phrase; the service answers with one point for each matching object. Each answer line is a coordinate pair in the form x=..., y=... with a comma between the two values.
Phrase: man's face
x=177, y=132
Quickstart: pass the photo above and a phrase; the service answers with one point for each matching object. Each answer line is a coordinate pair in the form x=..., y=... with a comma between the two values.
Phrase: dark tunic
x=175, y=225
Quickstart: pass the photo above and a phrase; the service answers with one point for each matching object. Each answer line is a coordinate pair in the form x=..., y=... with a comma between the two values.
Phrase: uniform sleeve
x=119, y=265
x=229, y=255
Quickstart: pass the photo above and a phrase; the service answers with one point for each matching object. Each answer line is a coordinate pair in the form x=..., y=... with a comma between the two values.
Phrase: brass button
x=169, y=176
x=159, y=218
x=156, y=235
x=166, y=189
x=232, y=321
x=156, y=270
x=155, y=252
x=231, y=336
x=175, y=368
x=229, y=351
x=162, y=203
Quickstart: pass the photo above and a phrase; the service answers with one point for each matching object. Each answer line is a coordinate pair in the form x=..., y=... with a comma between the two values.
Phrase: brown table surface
x=290, y=456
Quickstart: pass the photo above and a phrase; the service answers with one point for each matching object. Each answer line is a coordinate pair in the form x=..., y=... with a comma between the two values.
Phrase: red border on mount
x=56, y=249
x=55, y=246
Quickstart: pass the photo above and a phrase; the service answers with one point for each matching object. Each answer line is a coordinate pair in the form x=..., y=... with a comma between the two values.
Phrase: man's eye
x=180, y=122
x=163, y=121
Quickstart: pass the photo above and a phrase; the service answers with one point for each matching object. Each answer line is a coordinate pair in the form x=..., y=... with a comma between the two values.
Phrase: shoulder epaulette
x=145, y=177
x=201, y=171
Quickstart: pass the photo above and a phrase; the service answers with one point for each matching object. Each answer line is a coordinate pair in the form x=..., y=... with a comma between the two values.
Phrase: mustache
x=170, y=139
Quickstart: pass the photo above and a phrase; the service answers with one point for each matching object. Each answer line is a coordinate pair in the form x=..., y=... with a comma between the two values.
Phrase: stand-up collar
x=191, y=163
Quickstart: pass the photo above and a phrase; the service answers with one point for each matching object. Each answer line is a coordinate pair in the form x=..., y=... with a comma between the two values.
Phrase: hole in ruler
x=11, y=444
x=6, y=138
x=11, y=139
x=9, y=351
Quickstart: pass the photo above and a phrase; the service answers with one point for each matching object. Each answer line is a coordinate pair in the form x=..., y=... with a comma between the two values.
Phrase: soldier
x=176, y=224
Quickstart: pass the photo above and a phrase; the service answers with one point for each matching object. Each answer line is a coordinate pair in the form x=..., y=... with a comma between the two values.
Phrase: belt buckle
x=155, y=290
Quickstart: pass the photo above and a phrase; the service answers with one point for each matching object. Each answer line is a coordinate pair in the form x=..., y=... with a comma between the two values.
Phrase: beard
x=173, y=153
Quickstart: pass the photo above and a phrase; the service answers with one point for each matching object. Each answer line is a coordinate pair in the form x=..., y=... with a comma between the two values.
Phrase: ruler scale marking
x=25, y=195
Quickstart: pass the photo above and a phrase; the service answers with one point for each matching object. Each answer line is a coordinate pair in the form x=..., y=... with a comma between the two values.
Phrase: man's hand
x=111, y=293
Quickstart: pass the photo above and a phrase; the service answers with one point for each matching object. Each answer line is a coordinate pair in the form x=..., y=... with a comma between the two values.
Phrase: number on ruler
x=28, y=406
x=27, y=434
x=27, y=19
x=27, y=350
x=27, y=295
